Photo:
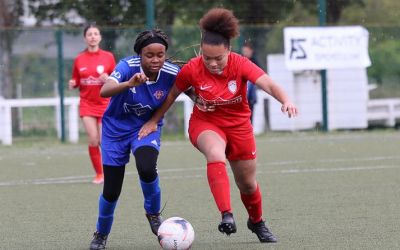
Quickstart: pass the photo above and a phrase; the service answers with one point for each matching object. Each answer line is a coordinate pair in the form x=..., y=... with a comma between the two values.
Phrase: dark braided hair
x=218, y=26
x=150, y=36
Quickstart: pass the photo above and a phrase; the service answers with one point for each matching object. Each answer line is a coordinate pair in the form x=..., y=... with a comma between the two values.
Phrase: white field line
x=88, y=178
x=336, y=160
x=315, y=170
x=306, y=137
x=298, y=171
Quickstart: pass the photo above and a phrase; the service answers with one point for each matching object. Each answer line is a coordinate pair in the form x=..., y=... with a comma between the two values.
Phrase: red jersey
x=226, y=91
x=87, y=68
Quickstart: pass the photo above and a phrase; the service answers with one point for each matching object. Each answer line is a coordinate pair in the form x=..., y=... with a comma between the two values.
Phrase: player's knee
x=111, y=192
x=111, y=195
x=94, y=141
x=246, y=187
x=113, y=179
x=215, y=155
x=146, y=163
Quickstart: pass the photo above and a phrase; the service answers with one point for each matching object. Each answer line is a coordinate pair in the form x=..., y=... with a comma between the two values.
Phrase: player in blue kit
x=137, y=86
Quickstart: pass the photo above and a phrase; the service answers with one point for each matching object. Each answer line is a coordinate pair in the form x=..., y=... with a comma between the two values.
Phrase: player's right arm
x=111, y=87
x=151, y=125
x=121, y=79
x=74, y=81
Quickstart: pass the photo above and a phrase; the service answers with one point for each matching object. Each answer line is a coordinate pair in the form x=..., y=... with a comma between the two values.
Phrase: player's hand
x=148, y=128
x=72, y=84
x=203, y=106
x=290, y=109
x=103, y=77
x=137, y=79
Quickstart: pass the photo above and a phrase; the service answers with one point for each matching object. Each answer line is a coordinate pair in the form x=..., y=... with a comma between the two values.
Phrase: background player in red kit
x=219, y=78
x=90, y=70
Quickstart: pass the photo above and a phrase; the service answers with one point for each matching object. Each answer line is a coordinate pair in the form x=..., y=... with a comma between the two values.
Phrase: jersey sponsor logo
x=138, y=109
x=232, y=86
x=204, y=87
x=116, y=74
x=90, y=81
x=100, y=69
x=82, y=69
x=158, y=94
x=220, y=101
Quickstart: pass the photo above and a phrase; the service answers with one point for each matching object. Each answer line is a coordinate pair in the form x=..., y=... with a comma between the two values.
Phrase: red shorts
x=240, y=142
x=93, y=112
x=87, y=108
x=98, y=118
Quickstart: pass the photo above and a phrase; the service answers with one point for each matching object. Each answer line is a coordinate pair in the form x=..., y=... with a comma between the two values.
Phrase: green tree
x=10, y=11
x=106, y=13
x=373, y=13
x=334, y=8
x=382, y=20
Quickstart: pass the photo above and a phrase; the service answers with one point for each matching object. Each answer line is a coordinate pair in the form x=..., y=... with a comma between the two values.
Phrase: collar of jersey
x=151, y=82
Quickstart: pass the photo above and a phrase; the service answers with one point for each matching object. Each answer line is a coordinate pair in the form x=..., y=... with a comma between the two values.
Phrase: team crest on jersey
x=100, y=69
x=158, y=94
x=232, y=86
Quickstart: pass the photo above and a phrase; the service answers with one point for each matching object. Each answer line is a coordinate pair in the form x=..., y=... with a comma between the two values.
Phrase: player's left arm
x=191, y=94
x=266, y=83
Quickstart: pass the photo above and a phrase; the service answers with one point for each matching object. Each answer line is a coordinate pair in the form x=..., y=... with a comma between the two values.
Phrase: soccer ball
x=175, y=233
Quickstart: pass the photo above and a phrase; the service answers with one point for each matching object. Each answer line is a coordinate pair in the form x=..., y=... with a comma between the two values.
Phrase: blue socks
x=106, y=215
x=152, y=204
x=152, y=196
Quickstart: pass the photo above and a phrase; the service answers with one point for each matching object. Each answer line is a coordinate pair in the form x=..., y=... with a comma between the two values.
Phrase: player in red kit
x=90, y=70
x=221, y=127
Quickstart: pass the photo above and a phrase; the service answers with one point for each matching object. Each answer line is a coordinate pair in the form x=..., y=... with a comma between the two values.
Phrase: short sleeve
x=250, y=71
x=182, y=81
x=120, y=73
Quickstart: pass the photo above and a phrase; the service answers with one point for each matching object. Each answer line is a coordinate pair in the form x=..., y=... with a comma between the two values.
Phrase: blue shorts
x=116, y=151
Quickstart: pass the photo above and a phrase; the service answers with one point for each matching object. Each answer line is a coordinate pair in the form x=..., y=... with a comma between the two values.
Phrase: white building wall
x=347, y=97
x=309, y=101
x=285, y=78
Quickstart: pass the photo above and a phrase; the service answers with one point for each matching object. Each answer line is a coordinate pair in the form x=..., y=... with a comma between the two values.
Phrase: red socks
x=218, y=181
x=95, y=157
x=253, y=204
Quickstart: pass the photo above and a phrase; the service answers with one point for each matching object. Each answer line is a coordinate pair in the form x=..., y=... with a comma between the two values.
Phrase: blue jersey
x=130, y=109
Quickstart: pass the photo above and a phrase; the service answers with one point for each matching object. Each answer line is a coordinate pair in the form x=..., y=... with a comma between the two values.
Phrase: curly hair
x=150, y=36
x=219, y=26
